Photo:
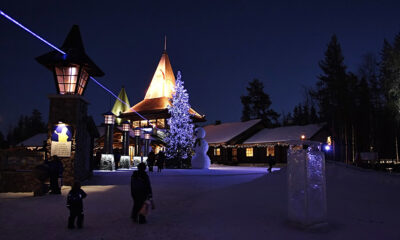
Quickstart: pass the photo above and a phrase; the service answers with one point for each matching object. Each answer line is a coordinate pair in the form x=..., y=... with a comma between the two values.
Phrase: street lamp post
x=107, y=158
x=125, y=159
x=71, y=70
x=146, y=142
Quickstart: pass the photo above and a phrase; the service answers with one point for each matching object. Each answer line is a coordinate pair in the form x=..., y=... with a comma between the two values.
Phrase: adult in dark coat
x=75, y=205
x=151, y=158
x=56, y=169
x=140, y=191
x=160, y=161
x=271, y=162
x=117, y=157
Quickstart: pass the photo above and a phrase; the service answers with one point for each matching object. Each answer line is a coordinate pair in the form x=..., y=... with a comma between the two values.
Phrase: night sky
x=218, y=45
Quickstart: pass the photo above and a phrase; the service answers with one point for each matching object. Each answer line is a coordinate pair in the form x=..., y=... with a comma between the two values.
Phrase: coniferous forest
x=361, y=109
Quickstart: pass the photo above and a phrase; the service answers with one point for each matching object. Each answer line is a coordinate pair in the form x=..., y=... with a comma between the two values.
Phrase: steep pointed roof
x=159, y=93
x=120, y=107
x=163, y=82
x=75, y=53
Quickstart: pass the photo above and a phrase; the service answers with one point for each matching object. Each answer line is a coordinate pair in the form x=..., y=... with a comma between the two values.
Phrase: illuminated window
x=143, y=123
x=234, y=152
x=271, y=151
x=135, y=124
x=152, y=122
x=82, y=81
x=217, y=152
x=249, y=152
x=67, y=79
x=160, y=123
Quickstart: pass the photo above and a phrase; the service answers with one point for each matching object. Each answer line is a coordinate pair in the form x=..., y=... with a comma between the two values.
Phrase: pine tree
x=179, y=138
x=256, y=105
x=334, y=96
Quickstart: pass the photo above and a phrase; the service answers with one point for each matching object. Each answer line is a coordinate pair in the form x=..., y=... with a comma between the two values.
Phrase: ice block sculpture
x=306, y=187
x=125, y=162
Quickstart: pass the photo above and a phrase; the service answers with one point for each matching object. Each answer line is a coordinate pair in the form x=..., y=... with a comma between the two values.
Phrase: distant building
x=250, y=142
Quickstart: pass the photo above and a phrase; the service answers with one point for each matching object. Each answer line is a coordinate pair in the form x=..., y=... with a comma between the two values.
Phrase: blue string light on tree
x=179, y=138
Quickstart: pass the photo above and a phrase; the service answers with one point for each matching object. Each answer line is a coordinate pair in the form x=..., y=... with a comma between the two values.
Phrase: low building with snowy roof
x=251, y=143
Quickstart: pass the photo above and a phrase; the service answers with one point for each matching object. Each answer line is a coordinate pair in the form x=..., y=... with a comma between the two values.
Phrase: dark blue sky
x=218, y=45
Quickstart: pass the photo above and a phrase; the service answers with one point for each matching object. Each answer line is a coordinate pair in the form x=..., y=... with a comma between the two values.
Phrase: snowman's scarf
x=198, y=141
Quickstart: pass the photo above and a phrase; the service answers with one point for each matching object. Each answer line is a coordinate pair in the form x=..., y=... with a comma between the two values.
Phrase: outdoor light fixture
x=303, y=137
x=71, y=79
x=109, y=118
x=71, y=66
x=147, y=136
x=125, y=126
x=137, y=132
x=327, y=147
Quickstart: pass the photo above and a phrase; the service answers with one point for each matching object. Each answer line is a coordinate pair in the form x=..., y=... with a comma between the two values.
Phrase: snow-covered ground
x=222, y=203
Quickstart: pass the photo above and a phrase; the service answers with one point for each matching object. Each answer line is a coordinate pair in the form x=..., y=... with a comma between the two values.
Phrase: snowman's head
x=199, y=132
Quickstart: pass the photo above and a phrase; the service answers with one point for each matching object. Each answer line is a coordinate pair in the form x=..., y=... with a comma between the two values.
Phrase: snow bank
x=244, y=204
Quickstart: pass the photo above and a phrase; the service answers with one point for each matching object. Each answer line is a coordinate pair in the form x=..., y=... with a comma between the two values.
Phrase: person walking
x=75, y=205
x=160, y=161
x=271, y=162
x=151, y=158
x=140, y=191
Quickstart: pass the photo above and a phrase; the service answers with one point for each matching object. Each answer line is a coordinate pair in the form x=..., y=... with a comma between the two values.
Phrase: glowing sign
x=61, y=138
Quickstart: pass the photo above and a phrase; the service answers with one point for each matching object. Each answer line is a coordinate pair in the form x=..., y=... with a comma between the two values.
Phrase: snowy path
x=223, y=203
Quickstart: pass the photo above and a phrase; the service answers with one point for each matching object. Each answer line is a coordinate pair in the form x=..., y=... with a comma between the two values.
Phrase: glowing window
x=160, y=123
x=135, y=124
x=67, y=78
x=249, y=152
x=143, y=123
x=271, y=151
x=234, y=152
x=152, y=122
x=217, y=152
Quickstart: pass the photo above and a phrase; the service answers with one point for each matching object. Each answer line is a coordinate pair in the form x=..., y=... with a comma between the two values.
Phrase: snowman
x=200, y=159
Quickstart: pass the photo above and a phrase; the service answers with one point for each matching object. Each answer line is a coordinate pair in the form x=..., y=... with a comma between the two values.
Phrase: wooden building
x=251, y=143
x=158, y=96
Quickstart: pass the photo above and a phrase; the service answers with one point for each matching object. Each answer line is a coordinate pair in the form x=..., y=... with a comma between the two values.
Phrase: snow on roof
x=224, y=132
x=284, y=134
x=35, y=141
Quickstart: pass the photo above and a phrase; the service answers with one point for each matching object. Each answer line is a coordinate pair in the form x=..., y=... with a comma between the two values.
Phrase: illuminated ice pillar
x=107, y=158
x=306, y=186
x=125, y=159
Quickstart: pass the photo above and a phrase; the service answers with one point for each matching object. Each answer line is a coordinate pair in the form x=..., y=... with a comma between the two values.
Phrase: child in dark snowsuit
x=75, y=205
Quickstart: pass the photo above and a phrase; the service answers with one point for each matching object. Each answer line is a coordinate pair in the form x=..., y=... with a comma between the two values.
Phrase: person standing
x=160, y=161
x=117, y=157
x=140, y=191
x=151, y=157
x=75, y=205
x=55, y=168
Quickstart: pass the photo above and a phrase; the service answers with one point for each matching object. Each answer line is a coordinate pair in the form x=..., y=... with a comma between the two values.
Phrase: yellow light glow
x=163, y=82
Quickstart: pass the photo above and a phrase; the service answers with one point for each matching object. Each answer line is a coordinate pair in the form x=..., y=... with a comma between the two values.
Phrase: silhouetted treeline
x=26, y=127
x=361, y=109
x=256, y=104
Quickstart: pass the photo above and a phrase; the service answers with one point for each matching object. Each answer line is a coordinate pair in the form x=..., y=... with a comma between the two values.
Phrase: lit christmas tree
x=179, y=138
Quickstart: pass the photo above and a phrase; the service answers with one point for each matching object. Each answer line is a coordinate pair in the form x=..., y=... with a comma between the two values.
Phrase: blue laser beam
x=29, y=31
x=59, y=50
x=116, y=97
